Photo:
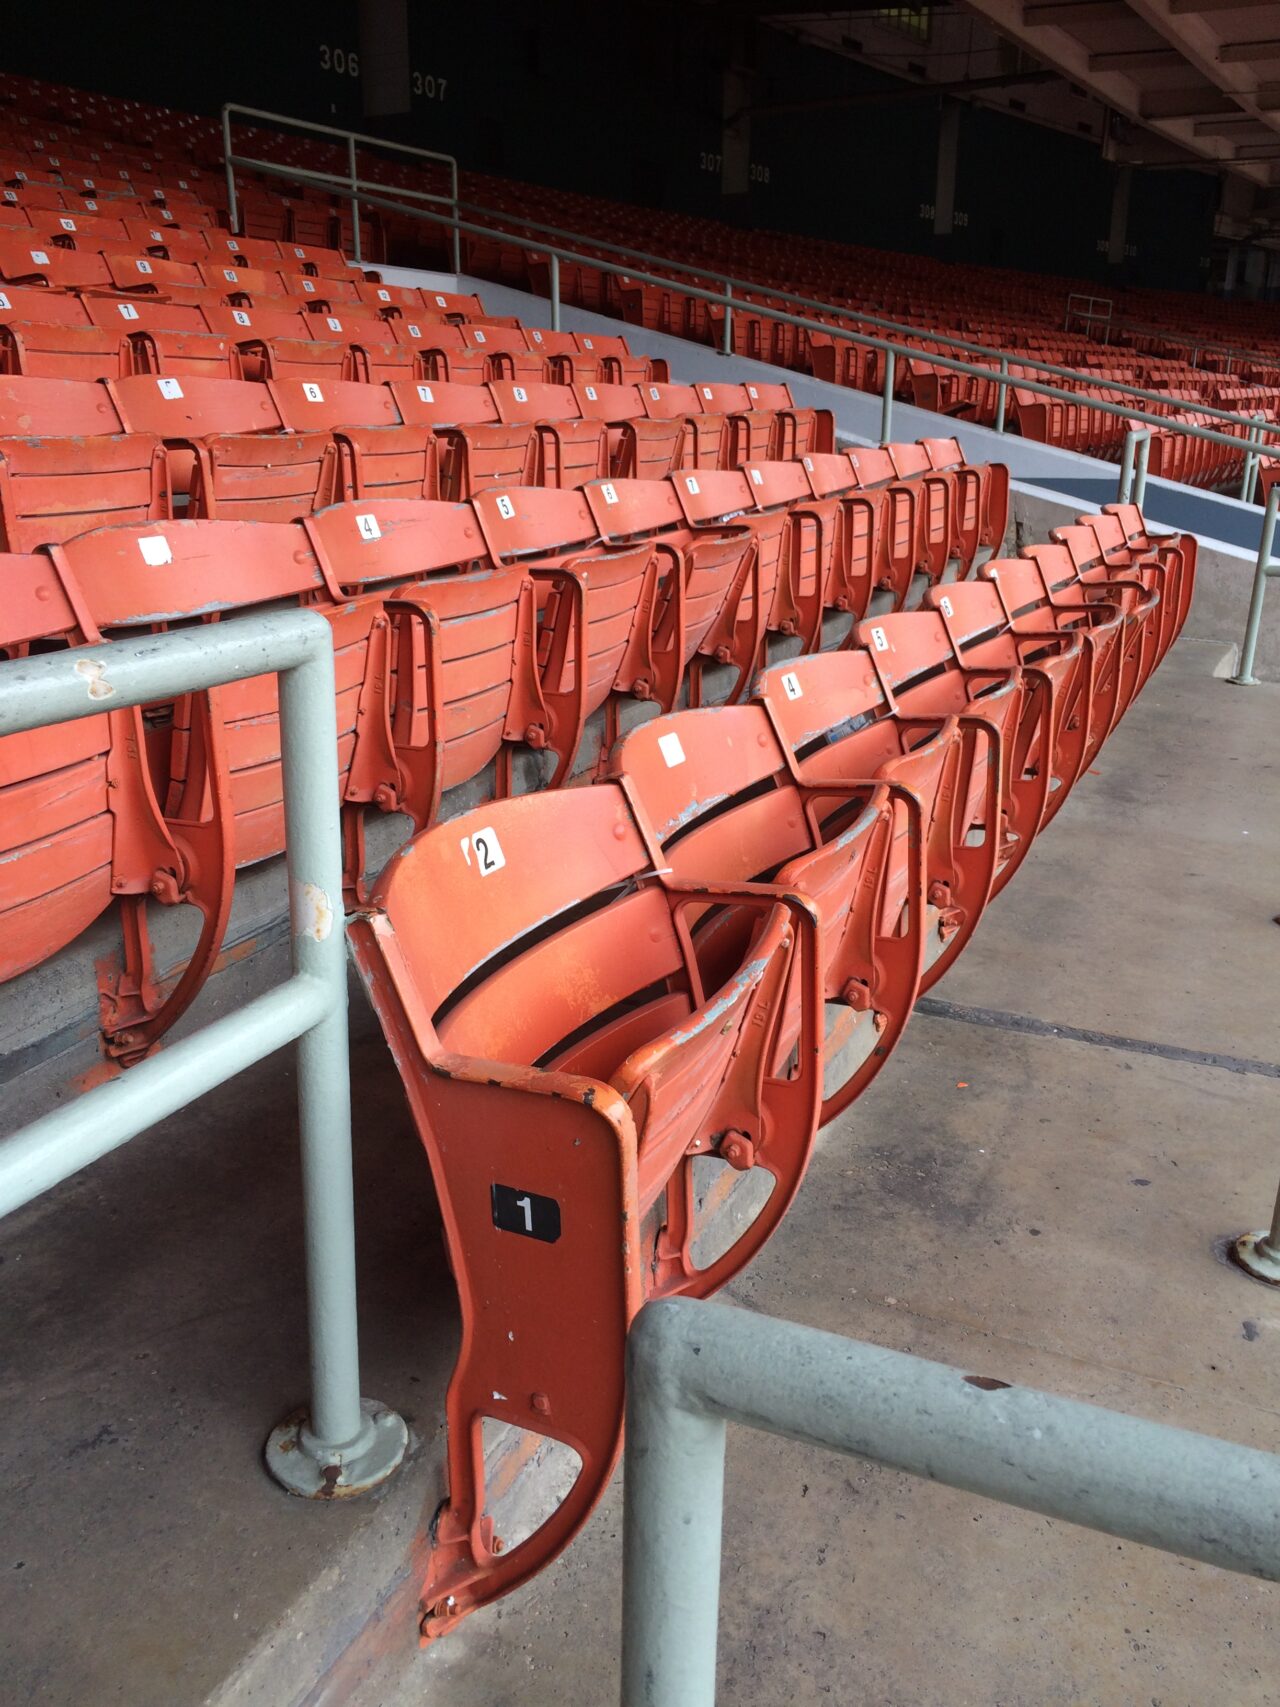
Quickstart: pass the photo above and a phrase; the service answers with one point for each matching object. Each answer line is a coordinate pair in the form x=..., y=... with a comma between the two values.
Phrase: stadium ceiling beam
x=910, y=92
x=1249, y=52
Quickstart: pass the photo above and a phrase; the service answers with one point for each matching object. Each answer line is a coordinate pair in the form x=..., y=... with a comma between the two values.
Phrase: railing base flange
x=307, y=1467
x=1257, y=1256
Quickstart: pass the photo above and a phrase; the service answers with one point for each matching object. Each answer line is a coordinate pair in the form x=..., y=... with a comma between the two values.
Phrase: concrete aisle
x=1038, y=1208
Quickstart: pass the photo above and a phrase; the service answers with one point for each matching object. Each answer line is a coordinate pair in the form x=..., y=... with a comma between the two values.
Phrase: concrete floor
x=1036, y=1205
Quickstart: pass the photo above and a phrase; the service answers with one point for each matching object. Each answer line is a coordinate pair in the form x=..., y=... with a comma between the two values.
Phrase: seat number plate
x=526, y=1212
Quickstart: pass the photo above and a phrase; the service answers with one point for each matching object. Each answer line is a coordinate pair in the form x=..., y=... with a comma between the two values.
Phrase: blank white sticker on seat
x=312, y=392
x=519, y=393
x=155, y=551
x=791, y=686
x=368, y=526
x=486, y=847
x=757, y=479
x=506, y=508
x=609, y=492
x=332, y=324
x=671, y=750
x=426, y=394
x=879, y=639
x=127, y=311
x=169, y=388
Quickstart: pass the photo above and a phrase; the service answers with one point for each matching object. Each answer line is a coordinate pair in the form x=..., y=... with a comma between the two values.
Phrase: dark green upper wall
x=625, y=100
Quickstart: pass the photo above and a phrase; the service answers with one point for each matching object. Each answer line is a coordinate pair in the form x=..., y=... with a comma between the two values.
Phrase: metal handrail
x=693, y=1367
x=346, y=1444
x=1264, y=569
x=727, y=301
x=732, y=283
x=351, y=181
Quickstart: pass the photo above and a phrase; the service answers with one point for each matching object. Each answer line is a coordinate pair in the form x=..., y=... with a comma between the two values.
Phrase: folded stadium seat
x=145, y=314
x=706, y=436
x=149, y=272
x=710, y=498
x=473, y=448
x=314, y=258
x=305, y=405
x=442, y=351
x=618, y=365
x=504, y=353
x=264, y=477
x=566, y=1056
x=845, y=845
x=92, y=232
x=637, y=447
x=388, y=462
x=1053, y=735
x=1125, y=540
x=856, y=551
x=333, y=294
x=568, y=449
x=938, y=534
x=707, y=573
x=222, y=249
x=753, y=433
x=838, y=718
x=813, y=574
x=170, y=243
x=597, y=608
x=196, y=354
x=452, y=305
x=184, y=409
x=56, y=407
x=799, y=432
x=897, y=529
x=54, y=488
x=321, y=360
x=1136, y=590
x=566, y=364
x=390, y=299
x=236, y=281
x=981, y=510
x=63, y=352
x=63, y=269
x=35, y=303
x=101, y=835
x=344, y=325
x=1100, y=621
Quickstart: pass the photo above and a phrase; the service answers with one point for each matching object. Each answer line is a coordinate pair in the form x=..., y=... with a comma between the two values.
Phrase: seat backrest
x=311, y=404
x=669, y=402
x=264, y=477
x=52, y=489
x=440, y=403
x=36, y=303
x=186, y=408
x=722, y=399
x=528, y=522
x=56, y=407
x=362, y=543
x=531, y=401
x=633, y=509
x=602, y=402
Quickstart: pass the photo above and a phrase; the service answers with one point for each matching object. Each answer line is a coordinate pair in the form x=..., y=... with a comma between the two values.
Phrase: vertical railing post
x=1259, y=1253
x=457, y=235
x=1002, y=393
x=1249, y=476
x=1140, y=471
x=886, y=401
x=233, y=207
x=1244, y=676
x=728, y=318
x=355, y=201
x=555, y=293
x=1124, y=491
x=673, y=1517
